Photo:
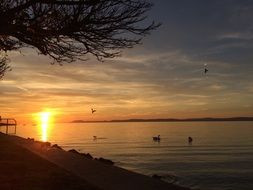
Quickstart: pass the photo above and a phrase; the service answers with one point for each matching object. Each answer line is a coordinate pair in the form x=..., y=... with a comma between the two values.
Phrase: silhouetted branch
x=3, y=66
x=68, y=29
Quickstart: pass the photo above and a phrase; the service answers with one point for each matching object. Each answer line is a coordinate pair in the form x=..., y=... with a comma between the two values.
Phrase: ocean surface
x=220, y=157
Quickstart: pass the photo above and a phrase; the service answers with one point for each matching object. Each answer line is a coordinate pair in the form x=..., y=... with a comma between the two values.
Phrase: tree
x=66, y=30
x=3, y=66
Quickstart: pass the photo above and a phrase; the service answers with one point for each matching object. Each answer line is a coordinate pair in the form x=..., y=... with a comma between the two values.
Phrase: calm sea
x=220, y=157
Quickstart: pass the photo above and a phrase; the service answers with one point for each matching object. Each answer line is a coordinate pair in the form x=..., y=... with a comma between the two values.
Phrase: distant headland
x=170, y=120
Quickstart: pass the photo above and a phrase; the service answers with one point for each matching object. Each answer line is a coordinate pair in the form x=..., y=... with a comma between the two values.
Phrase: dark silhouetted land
x=23, y=170
x=172, y=120
x=32, y=165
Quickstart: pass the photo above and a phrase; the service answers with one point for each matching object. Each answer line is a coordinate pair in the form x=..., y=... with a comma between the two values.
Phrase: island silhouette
x=170, y=120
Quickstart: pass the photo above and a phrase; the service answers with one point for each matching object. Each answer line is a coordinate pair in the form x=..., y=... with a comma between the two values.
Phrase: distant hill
x=171, y=120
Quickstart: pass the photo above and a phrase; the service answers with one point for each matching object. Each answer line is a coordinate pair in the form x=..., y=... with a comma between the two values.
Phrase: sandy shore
x=27, y=164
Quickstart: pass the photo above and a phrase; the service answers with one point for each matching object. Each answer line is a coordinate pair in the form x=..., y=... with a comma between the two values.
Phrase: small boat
x=157, y=138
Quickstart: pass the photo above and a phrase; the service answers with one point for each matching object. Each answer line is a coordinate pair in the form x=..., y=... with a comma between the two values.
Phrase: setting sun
x=45, y=116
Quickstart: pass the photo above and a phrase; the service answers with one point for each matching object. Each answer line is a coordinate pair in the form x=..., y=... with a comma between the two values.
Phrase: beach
x=29, y=164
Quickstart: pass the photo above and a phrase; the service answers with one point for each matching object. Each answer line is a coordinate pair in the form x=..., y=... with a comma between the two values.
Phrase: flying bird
x=93, y=110
x=206, y=70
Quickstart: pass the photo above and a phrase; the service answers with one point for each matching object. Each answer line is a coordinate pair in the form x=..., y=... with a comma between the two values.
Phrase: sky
x=161, y=78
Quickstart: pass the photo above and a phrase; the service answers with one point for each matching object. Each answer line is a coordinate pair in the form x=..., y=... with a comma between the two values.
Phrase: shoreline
x=95, y=173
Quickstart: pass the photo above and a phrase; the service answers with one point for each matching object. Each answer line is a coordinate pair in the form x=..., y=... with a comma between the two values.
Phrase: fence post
x=7, y=126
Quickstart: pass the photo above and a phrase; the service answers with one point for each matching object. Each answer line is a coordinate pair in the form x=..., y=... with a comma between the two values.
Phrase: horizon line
x=239, y=118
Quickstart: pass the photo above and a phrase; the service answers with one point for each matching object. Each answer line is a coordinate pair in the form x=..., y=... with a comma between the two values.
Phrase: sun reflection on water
x=45, y=121
x=44, y=127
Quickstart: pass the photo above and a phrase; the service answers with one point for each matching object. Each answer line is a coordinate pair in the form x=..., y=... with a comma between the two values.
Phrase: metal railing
x=6, y=122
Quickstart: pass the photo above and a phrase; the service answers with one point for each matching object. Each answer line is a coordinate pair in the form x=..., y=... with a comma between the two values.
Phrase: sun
x=45, y=117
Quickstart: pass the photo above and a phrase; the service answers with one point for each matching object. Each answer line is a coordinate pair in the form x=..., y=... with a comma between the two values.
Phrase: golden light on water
x=44, y=127
x=44, y=123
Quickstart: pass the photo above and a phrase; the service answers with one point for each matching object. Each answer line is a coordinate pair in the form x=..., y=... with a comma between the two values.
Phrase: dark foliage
x=68, y=29
x=3, y=66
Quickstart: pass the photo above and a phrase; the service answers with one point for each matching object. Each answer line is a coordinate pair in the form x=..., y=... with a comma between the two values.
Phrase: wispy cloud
x=164, y=77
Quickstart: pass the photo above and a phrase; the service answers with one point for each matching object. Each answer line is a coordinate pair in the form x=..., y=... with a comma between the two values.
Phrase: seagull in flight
x=93, y=110
x=206, y=70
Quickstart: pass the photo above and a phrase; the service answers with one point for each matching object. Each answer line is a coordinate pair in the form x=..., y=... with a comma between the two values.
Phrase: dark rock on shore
x=88, y=155
x=45, y=144
x=82, y=154
x=105, y=161
x=73, y=151
x=57, y=146
x=30, y=139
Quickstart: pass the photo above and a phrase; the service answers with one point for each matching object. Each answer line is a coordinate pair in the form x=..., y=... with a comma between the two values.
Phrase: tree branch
x=66, y=30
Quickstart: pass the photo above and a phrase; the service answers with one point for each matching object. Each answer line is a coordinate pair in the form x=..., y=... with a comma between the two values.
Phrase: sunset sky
x=161, y=78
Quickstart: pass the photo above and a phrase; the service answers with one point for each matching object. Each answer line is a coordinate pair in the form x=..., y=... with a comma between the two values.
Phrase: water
x=220, y=158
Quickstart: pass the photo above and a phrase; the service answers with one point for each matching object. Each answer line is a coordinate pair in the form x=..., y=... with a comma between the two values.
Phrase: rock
x=30, y=139
x=57, y=146
x=74, y=151
x=87, y=155
x=45, y=144
x=105, y=161
x=82, y=154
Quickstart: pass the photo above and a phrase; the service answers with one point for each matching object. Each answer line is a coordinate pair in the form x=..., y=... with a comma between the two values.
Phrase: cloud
x=162, y=77
x=217, y=87
x=166, y=80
